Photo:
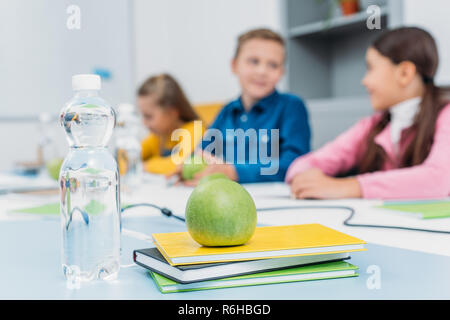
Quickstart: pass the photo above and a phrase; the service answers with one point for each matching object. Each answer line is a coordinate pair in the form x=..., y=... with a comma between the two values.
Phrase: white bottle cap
x=86, y=82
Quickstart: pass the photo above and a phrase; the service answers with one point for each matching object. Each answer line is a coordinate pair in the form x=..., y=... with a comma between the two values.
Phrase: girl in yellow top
x=165, y=108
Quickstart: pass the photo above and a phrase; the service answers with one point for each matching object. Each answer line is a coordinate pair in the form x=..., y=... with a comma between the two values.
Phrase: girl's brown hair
x=417, y=46
x=168, y=94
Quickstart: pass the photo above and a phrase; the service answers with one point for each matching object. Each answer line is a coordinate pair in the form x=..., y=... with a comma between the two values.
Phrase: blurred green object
x=92, y=170
x=191, y=166
x=93, y=207
x=213, y=176
x=90, y=106
x=431, y=209
x=50, y=208
x=53, y=167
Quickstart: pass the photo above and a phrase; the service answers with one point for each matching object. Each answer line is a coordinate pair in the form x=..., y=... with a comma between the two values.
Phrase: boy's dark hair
x=168, y=94
x=261, y=33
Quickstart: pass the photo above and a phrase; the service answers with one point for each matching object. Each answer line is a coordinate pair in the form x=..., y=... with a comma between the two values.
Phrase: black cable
x=164, y=211
x=167, y=212
x=352, y=213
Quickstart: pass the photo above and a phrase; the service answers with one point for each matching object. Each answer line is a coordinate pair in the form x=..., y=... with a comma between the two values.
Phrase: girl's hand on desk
x=174, y=179
x=314, y=184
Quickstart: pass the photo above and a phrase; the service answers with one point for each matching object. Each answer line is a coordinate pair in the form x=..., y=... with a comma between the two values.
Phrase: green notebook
x=338, y=269
x=46, y=209
x=93, y=208
x=430, y=209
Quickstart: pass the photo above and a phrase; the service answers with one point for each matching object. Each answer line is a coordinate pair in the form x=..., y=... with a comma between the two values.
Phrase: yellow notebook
x=267, y=242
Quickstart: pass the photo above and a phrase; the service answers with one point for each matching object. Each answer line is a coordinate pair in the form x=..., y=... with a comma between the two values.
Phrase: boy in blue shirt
x=257, y=136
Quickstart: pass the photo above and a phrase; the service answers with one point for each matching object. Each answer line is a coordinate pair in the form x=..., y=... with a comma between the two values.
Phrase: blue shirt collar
x=262, y=104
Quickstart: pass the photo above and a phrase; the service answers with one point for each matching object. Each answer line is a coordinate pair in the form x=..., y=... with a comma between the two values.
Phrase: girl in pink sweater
x=403, y=150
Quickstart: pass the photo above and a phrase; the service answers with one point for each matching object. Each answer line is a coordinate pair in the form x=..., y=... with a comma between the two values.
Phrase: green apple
x=192, y=166
x=53, y=167
x=213, y=176
x=220, y=212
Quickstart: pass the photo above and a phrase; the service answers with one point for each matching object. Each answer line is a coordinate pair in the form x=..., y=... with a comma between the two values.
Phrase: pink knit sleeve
x=337, y=156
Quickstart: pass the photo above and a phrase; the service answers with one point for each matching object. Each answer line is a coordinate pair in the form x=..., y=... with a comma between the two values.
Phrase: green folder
x=46, y=209
x=93, y=207
x=329, y=270
x=430, y=209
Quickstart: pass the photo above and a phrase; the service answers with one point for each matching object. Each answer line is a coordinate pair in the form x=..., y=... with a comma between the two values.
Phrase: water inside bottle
x=90, y=224
x=89, y=190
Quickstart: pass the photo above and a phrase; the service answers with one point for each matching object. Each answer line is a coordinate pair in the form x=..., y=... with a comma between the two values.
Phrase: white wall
x=39, y=54
x=195, y=40
x=432, y=15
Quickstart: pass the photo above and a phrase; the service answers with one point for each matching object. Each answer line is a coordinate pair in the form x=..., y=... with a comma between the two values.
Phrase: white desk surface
x=265, y=195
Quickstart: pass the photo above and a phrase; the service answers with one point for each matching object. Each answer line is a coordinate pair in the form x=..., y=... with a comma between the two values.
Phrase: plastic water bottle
x=128, y=148
x=89, y=187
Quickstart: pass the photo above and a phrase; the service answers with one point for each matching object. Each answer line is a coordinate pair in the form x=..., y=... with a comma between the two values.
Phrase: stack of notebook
x=274, y=254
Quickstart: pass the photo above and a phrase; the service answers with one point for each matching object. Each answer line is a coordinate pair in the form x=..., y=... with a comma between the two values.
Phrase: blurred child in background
x=258, y=64
x=402, y=151
x=164, y=109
